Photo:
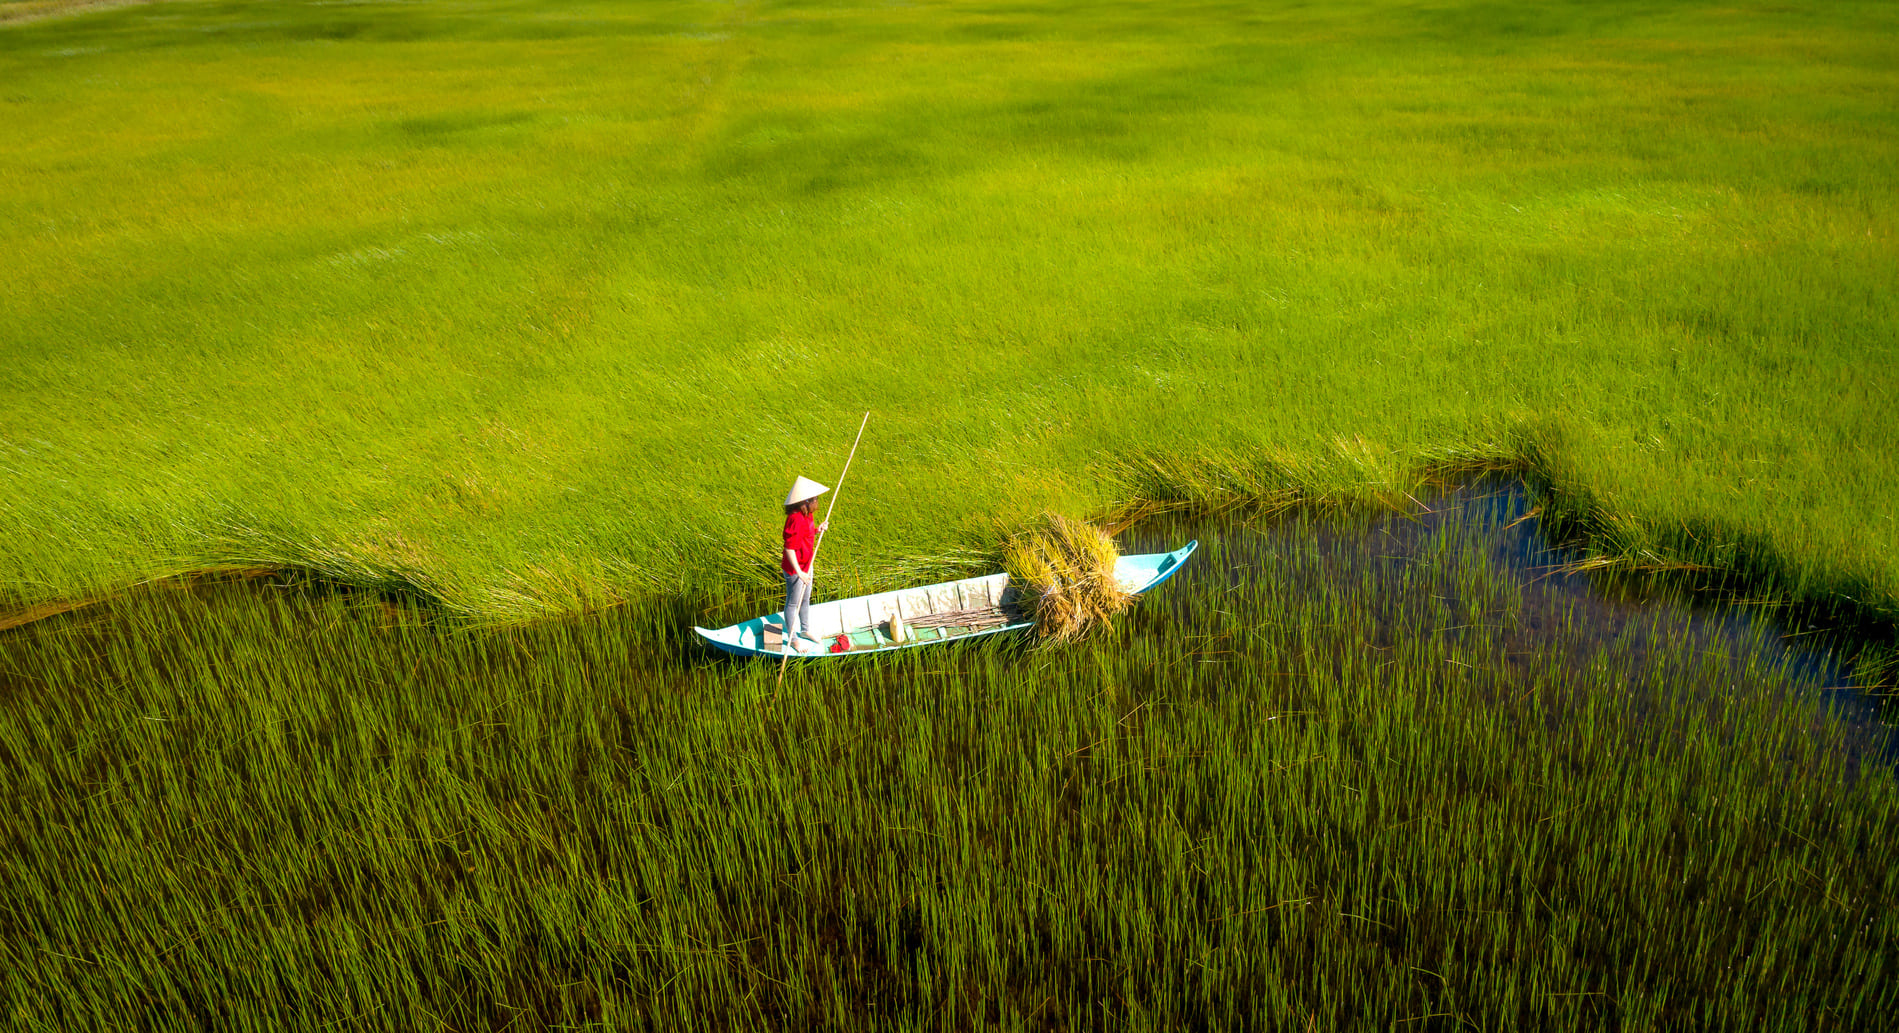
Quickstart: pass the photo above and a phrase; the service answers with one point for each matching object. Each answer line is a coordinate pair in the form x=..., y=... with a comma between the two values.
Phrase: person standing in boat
x=801, y=546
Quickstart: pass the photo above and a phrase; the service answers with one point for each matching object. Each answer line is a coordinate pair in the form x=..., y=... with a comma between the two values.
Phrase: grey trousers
x=797, y=604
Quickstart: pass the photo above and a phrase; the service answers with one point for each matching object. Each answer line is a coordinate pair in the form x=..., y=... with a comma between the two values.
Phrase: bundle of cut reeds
x=1063, y=573
x=981, y=618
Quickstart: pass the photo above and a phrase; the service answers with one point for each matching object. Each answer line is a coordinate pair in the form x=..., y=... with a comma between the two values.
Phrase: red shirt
x=801, y=539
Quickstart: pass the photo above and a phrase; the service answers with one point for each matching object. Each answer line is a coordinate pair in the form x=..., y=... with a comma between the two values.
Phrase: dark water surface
x=1474, y=567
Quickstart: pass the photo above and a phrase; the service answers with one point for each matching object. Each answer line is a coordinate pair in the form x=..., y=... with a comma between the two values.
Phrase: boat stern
x=739, y=639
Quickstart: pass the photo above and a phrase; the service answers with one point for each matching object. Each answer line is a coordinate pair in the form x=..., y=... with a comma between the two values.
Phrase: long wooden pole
x=839, y=490
x=784, y=648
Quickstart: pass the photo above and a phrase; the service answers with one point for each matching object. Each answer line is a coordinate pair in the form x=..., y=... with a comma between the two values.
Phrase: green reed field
x=1309, y=784
x=527, y=307
x=471, y=320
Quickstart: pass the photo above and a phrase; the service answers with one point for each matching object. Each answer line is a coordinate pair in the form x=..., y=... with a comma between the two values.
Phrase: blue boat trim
x=858, y=615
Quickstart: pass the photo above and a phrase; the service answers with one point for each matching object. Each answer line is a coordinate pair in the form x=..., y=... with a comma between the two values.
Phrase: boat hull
x=863, y=617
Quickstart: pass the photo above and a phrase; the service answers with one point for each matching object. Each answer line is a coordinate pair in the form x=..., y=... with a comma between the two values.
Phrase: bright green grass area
x=535, y=305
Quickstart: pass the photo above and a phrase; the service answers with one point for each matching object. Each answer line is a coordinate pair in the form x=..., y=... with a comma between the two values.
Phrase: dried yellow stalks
x=1063, y=573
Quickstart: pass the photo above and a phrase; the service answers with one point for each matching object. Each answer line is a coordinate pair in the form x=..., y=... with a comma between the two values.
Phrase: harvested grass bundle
x=1063, y=573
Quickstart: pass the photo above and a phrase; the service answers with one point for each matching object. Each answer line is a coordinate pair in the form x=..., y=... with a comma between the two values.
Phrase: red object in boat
x=842, y=645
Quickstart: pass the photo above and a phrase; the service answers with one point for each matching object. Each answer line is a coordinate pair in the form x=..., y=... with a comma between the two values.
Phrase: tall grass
x=1338, y=780
x=534, y=307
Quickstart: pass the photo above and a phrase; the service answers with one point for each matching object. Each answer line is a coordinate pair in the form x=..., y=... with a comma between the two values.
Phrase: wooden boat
x=934, y=613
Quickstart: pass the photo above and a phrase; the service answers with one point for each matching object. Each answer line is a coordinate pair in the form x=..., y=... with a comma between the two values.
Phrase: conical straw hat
x=805, y=488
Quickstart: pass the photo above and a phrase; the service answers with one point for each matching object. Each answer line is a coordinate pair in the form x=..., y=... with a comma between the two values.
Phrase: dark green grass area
x=1337, y=780
x=534, y=307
